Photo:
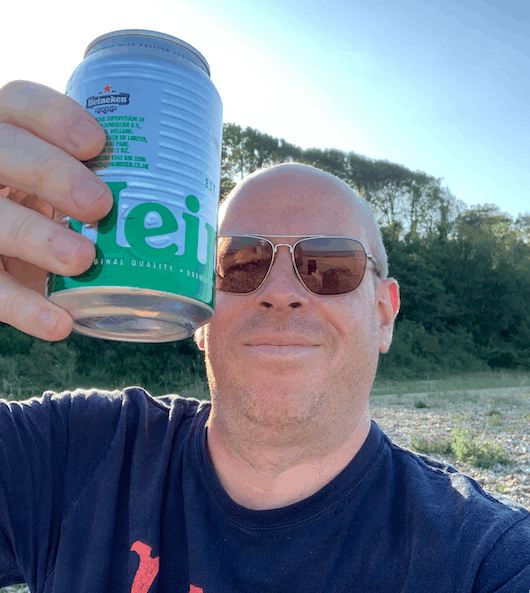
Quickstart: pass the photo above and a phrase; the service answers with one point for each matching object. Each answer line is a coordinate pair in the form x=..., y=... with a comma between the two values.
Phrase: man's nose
x=282, y=288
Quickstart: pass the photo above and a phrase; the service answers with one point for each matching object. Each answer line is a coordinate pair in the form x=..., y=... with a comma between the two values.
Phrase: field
x=480, y=424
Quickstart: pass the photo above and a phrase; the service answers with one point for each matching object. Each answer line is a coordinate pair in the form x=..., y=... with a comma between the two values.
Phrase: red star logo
x=107, y=88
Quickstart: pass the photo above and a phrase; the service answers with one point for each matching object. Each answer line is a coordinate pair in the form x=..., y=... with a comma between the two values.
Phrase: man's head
x=283, y=356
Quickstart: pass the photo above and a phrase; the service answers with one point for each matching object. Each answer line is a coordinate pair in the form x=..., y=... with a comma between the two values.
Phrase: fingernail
x=64, y=247
x=82, y=131
x=87, y=191
x=48, y=320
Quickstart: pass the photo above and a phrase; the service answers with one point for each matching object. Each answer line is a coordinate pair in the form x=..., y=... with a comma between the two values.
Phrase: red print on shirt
x=194, y=589
x=148, y=569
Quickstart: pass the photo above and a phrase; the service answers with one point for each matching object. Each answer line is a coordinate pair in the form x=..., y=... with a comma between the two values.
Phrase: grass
x=445, y=393
x=490, y=380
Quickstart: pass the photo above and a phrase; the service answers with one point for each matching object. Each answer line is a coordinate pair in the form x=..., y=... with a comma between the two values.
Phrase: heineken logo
x=121, y=99
x=103, y=102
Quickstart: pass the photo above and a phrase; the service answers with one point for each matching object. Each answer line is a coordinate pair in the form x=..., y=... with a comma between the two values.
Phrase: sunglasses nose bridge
x=274, y=257
x=275, y=249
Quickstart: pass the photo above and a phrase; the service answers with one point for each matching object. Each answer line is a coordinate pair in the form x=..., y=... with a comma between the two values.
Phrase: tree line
x=464, y=275
x=464, y=272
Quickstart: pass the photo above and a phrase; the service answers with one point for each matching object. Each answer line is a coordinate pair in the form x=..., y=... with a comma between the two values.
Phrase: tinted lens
x=242, y=263
x=330, y=265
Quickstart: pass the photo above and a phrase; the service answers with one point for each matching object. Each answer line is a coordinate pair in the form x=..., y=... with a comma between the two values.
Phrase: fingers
x=43, y=137
x=53, y=117
x=31, y=244
x=31, y=313
x=31, y=164
x=33, y=238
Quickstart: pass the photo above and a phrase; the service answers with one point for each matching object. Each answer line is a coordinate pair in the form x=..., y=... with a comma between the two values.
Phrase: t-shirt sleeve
x=506, y=569
x=36, y=491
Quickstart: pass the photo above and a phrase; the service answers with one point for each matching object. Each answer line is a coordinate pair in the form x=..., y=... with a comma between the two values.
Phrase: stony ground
x=499, y=416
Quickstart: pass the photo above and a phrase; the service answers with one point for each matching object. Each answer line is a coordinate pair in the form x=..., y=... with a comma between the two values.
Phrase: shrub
x=417, y=353
x=420, y=404
x=464, y=447
x=430, y=446
x=497, y=358
x=481, y=455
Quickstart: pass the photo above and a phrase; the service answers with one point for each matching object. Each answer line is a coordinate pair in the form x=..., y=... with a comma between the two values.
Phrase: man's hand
x=43, y=137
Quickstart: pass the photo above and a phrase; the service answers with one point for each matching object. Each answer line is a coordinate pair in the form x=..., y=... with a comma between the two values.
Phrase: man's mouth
x=281, y=345
x=280, y=340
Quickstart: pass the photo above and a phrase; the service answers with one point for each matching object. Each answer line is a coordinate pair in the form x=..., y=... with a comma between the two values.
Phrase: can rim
x=147, y=33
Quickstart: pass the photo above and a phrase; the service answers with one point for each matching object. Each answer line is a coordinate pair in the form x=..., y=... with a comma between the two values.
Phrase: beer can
x=153, y=276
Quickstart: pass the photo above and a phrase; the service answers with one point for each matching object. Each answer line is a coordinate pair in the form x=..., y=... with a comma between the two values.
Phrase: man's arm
x=32, y=459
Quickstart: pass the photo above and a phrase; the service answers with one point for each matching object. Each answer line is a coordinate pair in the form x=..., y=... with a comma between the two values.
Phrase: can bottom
x=128, y=314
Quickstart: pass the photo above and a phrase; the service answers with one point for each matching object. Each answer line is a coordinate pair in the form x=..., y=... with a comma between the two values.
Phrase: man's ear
x=200, y=337
x=388, y=307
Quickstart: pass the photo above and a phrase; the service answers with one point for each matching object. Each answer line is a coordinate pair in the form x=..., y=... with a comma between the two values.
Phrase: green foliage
x=86, y=362
x=420, y=404
x=482, y=455
x=418, y=353
x=464, y=447
x=430, y=446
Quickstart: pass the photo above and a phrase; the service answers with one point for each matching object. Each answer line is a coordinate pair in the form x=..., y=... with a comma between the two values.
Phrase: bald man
x=283, y=482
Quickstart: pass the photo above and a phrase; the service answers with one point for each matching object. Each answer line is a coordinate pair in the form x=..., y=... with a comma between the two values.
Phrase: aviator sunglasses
x=324, y=265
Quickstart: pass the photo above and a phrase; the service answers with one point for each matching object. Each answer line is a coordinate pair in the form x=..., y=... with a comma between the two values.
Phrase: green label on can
x=143, y=245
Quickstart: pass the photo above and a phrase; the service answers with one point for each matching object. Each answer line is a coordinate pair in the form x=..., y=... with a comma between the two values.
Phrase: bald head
x=296, y=199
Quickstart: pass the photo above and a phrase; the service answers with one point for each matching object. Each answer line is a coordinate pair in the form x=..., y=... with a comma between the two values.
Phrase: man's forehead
x=291, y=195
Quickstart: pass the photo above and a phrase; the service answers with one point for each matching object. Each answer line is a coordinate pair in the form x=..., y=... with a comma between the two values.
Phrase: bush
x=417, y=353
x=481, y=455
x=498, y=358
x=430, y=446
x=464, y=447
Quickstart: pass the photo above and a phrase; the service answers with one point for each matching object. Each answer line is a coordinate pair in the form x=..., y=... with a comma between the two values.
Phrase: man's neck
x=259, y=473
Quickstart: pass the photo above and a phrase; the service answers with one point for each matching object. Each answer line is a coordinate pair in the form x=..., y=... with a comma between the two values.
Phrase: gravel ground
x=499, y=416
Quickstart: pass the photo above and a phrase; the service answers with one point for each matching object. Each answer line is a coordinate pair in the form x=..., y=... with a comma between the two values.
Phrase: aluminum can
x=153, y=276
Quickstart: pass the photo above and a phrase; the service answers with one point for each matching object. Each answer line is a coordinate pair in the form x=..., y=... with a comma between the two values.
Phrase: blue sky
x=437, y=86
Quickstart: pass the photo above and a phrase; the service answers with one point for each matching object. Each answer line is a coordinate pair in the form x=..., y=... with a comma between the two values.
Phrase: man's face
x=283, y=356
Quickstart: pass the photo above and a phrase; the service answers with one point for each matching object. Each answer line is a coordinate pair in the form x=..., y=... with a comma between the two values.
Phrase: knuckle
x=14, y=87
x=9, y=132
x=25, y=103
x=11, y=95
x=20, y=231
x=44, y=167
x=11, y=305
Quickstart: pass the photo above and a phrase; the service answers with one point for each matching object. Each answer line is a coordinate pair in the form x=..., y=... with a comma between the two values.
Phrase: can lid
x=146, y=33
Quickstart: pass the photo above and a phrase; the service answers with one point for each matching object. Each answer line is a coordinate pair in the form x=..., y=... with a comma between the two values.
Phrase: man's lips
x=280, y=341
x=282, y=346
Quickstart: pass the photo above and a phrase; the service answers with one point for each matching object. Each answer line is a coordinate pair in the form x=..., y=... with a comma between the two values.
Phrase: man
x=283, y=483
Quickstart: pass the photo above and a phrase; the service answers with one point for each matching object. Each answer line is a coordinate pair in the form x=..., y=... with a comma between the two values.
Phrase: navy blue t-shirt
x=115, y=492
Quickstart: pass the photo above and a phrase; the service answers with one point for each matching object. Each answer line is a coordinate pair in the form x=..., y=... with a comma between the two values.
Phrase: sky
x=437, y=86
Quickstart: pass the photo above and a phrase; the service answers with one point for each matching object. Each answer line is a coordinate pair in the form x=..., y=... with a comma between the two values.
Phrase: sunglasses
x=324, y=265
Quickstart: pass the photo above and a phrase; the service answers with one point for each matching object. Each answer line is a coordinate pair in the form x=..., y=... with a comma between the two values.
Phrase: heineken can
x=153, y=276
